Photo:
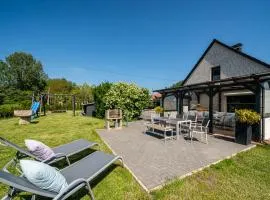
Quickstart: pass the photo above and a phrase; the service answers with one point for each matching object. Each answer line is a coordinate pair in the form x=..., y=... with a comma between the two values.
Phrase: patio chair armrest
x=57, y=156
x=73, y=187
x=204, y=129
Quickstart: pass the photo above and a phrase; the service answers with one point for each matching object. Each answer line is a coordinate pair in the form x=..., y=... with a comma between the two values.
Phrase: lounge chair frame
x=20, y=184
x=22, y=153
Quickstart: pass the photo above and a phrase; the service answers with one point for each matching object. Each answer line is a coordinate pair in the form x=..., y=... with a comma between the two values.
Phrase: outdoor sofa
x=225, y=120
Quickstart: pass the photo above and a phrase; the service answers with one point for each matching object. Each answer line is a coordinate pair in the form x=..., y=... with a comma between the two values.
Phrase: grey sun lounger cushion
x=86, y=169
x=23, y=184
x=74, y=147
x=67, y=150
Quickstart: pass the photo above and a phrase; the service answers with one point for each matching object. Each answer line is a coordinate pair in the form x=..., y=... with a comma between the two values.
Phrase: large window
x=215, y=73
x=239, y=102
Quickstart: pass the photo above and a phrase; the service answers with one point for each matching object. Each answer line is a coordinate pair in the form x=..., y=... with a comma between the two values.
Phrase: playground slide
x=35, y=107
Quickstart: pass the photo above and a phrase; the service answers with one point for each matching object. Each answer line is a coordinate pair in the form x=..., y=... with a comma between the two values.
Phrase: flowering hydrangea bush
x=130, y=98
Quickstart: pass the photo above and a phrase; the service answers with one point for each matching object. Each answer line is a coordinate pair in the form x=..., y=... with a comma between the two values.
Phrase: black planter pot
x=243, y=133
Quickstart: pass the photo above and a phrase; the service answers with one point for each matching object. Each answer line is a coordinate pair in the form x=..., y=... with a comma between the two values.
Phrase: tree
x=60, y=86
x=99, y=93
x=84, y=93
x=177, y=84
x=128, y=97
x=23, y=72
x=5, y=78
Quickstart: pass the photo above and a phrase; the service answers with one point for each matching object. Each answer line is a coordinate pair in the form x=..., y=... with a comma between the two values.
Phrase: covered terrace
x=256, y=83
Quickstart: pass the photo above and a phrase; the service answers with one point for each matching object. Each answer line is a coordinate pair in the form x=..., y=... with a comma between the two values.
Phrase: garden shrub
x=7, y=110
x=247, y=116
x=159, y=109
x=130, y=98
x=99, y=93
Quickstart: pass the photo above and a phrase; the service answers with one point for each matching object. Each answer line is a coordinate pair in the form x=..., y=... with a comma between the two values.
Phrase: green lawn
x=246, y=176
x=56, y=129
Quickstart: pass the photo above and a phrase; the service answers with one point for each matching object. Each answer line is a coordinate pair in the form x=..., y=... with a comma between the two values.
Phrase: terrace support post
x=189, y=103
x=189, y=99
x=177, y=102
x=198, y=97
x=219, y=101
x=162, y=100
x=262, y=114
x=210, y=95
x=73, y=104
x=256, y=130
x=180, y=102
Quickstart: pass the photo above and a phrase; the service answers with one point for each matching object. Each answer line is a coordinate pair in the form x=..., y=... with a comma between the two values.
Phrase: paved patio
x=153, y=162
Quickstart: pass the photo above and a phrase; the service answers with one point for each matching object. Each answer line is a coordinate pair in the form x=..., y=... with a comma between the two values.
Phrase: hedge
x=7, y=110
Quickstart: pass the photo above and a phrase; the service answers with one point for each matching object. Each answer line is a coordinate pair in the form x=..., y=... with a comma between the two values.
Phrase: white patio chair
x=201, y=129
x=153, y=116
x=189, y=126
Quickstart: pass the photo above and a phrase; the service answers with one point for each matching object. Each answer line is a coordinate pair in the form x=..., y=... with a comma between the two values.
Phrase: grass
x=56, y=129
x=245, y=176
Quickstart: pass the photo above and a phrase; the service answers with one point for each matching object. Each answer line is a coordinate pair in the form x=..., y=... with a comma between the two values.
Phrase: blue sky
x=152, y=43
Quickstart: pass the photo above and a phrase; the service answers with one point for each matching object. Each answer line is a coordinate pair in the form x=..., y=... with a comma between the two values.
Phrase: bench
x=153, y=128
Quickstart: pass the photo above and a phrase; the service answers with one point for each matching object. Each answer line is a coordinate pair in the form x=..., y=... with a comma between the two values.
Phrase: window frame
x=212, y=70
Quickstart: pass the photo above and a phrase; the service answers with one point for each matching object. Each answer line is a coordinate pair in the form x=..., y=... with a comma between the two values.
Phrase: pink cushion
x=39, y=149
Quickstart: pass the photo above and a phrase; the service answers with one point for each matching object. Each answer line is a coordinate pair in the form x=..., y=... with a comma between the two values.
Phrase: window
x=240, y=102
x=215, y=73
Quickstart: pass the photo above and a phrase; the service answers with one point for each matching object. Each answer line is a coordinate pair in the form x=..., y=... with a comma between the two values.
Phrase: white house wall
x=231, y=65
x=267, y=128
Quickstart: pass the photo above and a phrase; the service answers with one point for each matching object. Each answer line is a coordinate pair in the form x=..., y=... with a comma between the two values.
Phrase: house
x=224, y=79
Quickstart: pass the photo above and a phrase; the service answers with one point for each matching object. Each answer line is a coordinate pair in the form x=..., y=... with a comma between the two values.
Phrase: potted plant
x=245, y=118
x=159, y=110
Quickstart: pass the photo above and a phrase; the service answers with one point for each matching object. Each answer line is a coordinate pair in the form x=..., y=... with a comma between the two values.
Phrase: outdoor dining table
x=173, y=121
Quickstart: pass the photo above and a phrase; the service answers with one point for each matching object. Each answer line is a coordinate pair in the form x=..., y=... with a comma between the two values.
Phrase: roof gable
x=231, y=49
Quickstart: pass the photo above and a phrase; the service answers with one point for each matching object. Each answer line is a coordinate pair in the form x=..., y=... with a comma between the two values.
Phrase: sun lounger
x=62, y=151
x=78, y=175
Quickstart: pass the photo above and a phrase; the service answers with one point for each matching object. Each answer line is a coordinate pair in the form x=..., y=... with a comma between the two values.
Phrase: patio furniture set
x=188, y=123
x=77, y=175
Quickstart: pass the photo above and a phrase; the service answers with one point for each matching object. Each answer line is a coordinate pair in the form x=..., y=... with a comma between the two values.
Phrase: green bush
x=7, y=110
x=99, y=93
x=25, y=105
x=11, y=95
x=159, y=109
x=247, y=116
x=130, y=98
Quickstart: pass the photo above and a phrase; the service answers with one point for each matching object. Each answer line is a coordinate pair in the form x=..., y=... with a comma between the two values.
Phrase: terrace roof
x=233, y=83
